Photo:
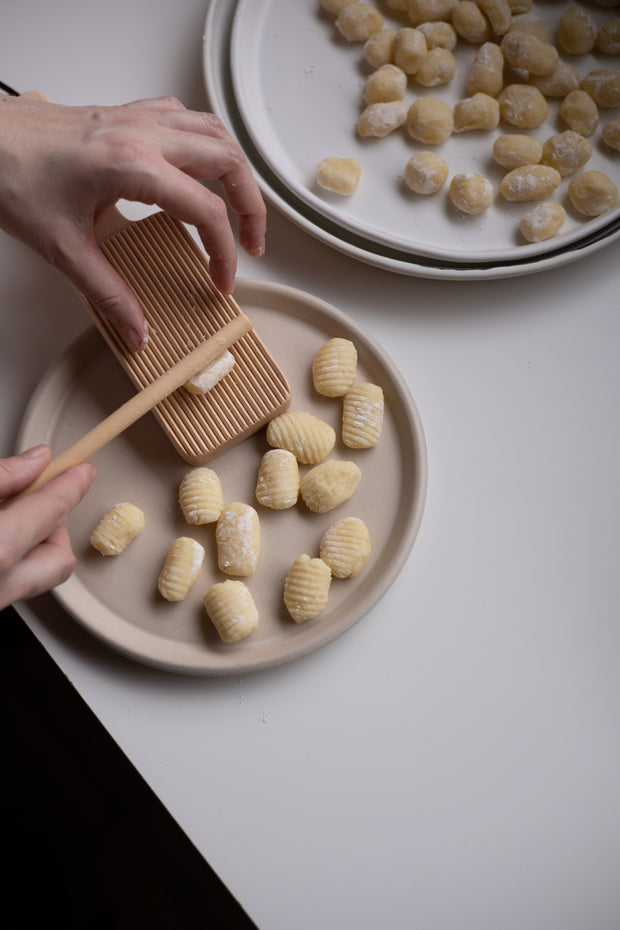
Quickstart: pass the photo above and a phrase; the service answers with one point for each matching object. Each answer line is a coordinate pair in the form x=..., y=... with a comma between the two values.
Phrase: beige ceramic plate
x=116, y=598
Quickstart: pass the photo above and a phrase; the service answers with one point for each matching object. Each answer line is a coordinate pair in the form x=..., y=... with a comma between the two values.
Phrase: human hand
x=35, y=551
x=61, y=166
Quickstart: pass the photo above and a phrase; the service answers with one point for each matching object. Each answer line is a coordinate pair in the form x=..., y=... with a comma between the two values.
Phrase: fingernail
x=136, y=341
x=36, y=452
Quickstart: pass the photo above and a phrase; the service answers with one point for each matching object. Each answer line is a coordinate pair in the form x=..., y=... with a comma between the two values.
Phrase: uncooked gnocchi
x=576, y=31
x=181, y=568
x=486, y=72
x=579, y=112
x=480, y=112
x=356, y=22
x=277, y=482
x=608, y=38
x=515, y=75
x=117, y=528
x=362, y=416
x=388, y=82
x=409, y=49
x=237, y=534
x=610, y=134
x=529, y=182
x=513, y=150
x=559, y=83
x=437, y=68
x=345, y=547
x=425, y=11
x=380, y=119
x=528, y=53
x=603, y=86
x=205, y=380
x=567, y=151
x=378, y=49
x=471, y=193
x=498, y=13
x=200, y=496
x=309, y=438
x=329, y=484
x=542, y=222
x=523, y=105
x=470, y=23
x=231, y=609
x=430, y=120
x=339, y=175
x=334, y=367
x=306, y=588
x=426, y=173
x=439, y=34
x=592, y=193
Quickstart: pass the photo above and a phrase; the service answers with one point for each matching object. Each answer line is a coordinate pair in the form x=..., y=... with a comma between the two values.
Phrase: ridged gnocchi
x=334, y=367
x=277, y=482
x=329, y=484
x=200, y=496
x=362, y=416
x=181, y=568
x=205, y=380
x=117, y=528
x=231, y=608
x=306, y=588
x=309, y=438
x=345, y=547
x=237, y=535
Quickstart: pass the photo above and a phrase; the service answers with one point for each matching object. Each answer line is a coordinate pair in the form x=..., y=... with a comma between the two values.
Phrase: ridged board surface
x=169, y=274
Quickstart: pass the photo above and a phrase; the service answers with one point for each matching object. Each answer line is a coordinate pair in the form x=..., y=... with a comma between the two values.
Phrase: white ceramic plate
x=298, y=86
x=218, y=82
x=116, y=598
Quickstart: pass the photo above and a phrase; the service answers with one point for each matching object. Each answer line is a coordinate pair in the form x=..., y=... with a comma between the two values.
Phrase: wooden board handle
x=141, y=403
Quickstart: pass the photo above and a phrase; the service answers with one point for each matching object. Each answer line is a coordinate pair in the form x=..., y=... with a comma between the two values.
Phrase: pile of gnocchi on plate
x=517, y=70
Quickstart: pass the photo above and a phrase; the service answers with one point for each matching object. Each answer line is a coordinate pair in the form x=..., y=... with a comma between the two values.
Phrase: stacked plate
x=289, y=88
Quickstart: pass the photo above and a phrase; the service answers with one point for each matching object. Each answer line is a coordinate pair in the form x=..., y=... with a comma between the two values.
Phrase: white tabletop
x=452, y=762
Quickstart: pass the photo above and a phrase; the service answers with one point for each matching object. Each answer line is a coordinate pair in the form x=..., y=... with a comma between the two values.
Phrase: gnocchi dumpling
x=306, y=588
x=339, y=175
x=237, y=535
x=309, y=438
x=200, y=496
x=334, y=367
x=231, y=609
x=345, y=547
x=277, y=482
x=205, y=380
x=117, y=528
x=181, y=568
x=362, y=416
x=329, y=484
x=357, y=22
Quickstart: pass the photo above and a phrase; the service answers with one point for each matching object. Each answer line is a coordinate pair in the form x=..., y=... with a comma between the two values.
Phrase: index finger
x=184, y=147
x=31, y=519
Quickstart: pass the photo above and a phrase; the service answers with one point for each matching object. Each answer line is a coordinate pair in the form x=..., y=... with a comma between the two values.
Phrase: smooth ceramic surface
x=116, y=598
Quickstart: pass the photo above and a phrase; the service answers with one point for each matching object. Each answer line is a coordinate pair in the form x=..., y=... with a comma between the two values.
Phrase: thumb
x=19, y=471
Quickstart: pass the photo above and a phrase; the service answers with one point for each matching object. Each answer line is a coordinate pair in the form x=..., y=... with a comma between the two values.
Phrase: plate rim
x=146, y=647
x=356, y=247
